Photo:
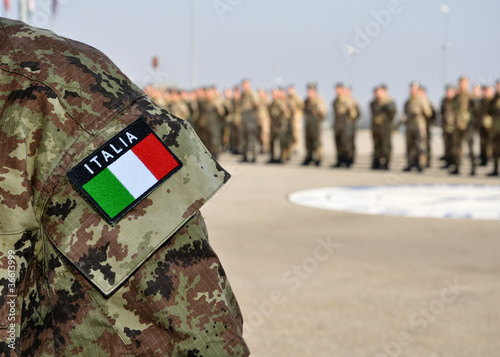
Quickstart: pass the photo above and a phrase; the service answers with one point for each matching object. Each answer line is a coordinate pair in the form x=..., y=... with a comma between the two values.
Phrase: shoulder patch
x=124, y=171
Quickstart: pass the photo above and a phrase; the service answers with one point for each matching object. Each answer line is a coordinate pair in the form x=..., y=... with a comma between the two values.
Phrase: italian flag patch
x=124, y=171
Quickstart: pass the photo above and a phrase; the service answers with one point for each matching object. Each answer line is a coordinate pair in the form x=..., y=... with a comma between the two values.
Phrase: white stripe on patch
x=133, y=174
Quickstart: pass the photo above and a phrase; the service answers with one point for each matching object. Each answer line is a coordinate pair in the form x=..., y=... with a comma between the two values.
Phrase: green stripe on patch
x=109, y=193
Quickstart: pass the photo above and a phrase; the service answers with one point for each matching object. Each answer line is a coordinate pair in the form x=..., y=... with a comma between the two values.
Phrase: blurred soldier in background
x=430, y=121
x=178, y=106
x=485, y=125
x=194, y=111
x=314, y=113
x=156, y=95
x=463, y=107
x=209, y=124
x=236, y=131
x=447, y=123
x=346, y=111
x=297, y=106
x=494, y=111
x=280, y=114
x=249, y=106
x=353, y=124
x=228, y=119
x=383, y=111
x=416, y=110
x=263, y=121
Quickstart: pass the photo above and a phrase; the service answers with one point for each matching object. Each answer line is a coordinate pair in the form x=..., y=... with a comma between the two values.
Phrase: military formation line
x=247, y=123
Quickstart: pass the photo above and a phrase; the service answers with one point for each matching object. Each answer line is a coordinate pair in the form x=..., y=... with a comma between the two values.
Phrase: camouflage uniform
x=210, y=123
x=263, y=120
x=236, y=130
x=463, y=107
x=180, y=109
x=448, y=127
x=249, y=106
x=297, y=105
x=346, y=112
x=484, y=126
x=228, y=122
x=281, y=127
x=430, y=121
x=383, y=112
x=150, y=285
x=314, y=114
x=494, y=111
x=417, y=110
x=194, y=111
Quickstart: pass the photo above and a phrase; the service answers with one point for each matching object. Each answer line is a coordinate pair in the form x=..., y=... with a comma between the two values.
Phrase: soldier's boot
x=307, y=161
x=473, y=170
x=446, y=165
x=317, y=162
x=375, y=164
x=348, y=163
x=338, y=164
x=494, y=173
x=244, y=158
x=484, y=161
x=455, y=172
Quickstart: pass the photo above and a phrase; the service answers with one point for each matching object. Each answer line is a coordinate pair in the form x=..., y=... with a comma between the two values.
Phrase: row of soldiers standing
x=247, y=122
x=463, y=115
x=241, y=121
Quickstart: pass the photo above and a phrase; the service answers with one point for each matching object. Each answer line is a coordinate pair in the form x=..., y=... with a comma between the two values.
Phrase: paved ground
x=318, y=283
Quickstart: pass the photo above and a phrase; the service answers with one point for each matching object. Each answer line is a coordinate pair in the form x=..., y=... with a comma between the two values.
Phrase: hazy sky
x=296, y=40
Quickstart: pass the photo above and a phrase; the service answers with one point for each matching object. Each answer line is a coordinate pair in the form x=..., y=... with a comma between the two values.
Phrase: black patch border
x=75, y=178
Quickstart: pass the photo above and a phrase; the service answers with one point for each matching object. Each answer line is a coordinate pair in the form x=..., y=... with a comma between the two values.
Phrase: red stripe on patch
x=155, y=156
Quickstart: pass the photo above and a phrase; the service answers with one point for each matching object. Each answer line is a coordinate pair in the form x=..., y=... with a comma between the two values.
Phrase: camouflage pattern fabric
x=493, y=110
x=314, y=114
x=463, y=108
x=485, y=123
x=249, y=125
x=149, y=286
x=297, y=105
x=417, y=110
x=209, y=124
x=448, y=127
x=280, y=115
x=383, y=112
x=346, y=112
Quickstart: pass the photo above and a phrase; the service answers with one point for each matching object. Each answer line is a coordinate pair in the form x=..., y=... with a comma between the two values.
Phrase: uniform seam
x=19, y=232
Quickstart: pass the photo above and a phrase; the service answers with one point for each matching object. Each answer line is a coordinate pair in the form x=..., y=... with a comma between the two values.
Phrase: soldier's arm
x=355, y=111
x=391, y=110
